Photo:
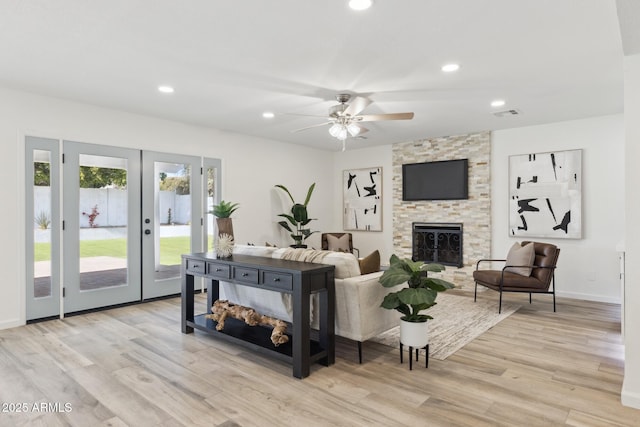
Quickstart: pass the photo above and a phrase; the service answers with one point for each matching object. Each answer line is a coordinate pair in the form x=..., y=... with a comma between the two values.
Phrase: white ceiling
x=231, y=60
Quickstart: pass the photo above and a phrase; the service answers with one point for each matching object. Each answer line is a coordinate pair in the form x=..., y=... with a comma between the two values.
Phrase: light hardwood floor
x=132, y=366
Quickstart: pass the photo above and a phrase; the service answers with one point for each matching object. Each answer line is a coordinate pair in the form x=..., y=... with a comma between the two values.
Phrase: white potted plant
x=419, y=295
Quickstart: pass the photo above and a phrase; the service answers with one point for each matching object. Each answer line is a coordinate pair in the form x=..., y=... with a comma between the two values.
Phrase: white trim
x=61, y=239
x=12, y=323
x=21, y=243
x=588, y=297
x=629, y=398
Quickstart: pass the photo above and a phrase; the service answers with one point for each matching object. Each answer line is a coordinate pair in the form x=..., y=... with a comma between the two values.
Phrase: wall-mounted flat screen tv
x=444, y=180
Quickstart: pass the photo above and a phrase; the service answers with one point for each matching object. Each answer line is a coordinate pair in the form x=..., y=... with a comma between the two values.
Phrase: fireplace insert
x=437, y=242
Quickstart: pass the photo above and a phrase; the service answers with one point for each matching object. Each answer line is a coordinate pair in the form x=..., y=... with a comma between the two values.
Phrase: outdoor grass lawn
x=170, y=249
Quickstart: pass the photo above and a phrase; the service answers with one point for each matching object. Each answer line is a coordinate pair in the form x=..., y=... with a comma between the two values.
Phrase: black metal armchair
x=541, y=279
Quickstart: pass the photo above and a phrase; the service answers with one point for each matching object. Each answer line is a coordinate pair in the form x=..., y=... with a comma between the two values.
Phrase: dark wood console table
x=300, y=279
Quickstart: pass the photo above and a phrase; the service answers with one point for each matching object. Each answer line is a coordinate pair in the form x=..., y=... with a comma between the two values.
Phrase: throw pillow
x=520, y=255
x=370, y=263
x=338, y=244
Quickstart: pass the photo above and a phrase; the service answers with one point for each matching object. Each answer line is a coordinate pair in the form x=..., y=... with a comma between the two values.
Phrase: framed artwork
x=362, y=199
x=545, y=195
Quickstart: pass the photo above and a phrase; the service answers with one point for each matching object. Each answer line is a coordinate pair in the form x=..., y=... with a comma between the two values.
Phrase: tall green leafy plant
x=298, y=218
x=421, y=292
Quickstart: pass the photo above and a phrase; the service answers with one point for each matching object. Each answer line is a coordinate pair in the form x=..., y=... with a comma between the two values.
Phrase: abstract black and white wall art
x=362, y=198
x=545, y=195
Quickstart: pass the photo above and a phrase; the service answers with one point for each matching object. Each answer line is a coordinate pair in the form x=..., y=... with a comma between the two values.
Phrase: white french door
x=101, y=236
x=110, y=228
x=42, y=241
x=172, y=219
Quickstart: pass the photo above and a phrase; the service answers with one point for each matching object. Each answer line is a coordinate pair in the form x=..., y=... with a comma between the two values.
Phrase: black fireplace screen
x=436, y=242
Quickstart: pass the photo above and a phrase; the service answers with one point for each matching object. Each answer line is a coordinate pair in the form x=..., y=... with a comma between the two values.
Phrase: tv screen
x=445, y=180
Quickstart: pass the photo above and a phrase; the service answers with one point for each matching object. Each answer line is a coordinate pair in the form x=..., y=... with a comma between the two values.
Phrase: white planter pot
x=414, y=334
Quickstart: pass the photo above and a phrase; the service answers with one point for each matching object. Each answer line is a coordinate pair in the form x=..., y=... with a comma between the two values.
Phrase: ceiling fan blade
x=356, y=106
x=362, y=130
x=300, y=115
x=391, y=116
x=311, y=127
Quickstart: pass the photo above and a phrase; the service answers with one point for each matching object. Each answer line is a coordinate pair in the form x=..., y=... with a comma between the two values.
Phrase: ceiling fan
x=345, y=118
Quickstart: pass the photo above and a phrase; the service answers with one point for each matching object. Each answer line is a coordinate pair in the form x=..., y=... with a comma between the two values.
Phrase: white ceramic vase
x=414, y=334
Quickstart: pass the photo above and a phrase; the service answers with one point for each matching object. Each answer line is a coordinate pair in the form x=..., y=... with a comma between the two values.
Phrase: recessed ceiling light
x=449, y=68
x=498, y=103
x=360, y=4
x=268, y=115
x=165, y=89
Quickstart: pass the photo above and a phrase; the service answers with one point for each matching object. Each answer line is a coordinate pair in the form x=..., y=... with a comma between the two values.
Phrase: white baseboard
x=630, y=398
x=589, y=297
x=12, y=323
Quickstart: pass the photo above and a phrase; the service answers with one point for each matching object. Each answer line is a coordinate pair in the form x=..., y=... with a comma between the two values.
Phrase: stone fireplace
x=474, y=212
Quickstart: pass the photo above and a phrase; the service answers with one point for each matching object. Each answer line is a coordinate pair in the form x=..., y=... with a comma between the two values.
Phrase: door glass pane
x=172, y=218
x=103, y=222
x=42, y=223
x=211, y=200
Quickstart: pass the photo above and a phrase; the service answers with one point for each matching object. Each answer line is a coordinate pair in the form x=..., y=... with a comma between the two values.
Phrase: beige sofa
x=359, y=316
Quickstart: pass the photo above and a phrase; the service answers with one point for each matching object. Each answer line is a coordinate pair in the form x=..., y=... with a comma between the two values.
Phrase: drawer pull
x=276, y=279
x=245, y=274
x=195, y=266
x=218, y=269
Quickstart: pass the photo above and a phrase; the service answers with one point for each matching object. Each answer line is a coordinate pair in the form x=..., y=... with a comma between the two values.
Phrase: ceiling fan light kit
x=345, y=118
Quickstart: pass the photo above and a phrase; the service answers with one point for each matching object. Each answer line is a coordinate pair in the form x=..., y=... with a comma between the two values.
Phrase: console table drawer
x=194, y=266
x=220, y=271
x=278, y=280
x=247, y=275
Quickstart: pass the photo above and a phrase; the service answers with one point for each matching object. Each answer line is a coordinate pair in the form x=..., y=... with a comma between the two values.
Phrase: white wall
x=631, y=386
x=602, y=142
x=367, y=241
x=251, y=167
x=588, y=268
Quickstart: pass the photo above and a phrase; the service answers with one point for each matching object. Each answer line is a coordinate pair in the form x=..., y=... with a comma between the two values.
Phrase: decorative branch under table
x=300, y=279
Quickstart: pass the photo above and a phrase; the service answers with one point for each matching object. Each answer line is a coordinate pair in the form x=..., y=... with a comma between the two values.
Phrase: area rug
x=457, y=321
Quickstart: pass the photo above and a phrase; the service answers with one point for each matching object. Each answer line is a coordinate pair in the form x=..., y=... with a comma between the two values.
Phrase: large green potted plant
x=298, y=218
x=419, y=295
x=222, y=212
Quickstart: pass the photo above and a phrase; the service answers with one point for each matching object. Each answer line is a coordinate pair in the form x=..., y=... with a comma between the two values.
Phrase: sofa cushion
x=370, y=263
x=520, y=255
x=254, y=250
x=345, y=263
x=516, y=282
x=338, y=244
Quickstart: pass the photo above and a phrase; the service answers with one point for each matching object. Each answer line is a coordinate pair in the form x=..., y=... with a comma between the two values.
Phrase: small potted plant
x=222, y=212
x=298, y=218
x=419, y=295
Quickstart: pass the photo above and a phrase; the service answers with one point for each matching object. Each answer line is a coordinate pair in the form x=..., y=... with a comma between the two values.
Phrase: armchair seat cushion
x=513, y=282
